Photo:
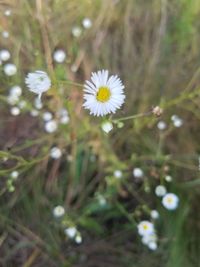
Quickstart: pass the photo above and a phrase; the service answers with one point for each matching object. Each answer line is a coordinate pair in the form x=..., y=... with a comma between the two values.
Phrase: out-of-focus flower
x=47, y=116
x=14, y=175
x=170, y=201
x=78, y=239
x=38, y=82
x=51, y=126
x=7, y=12
x=10, y=69
x=58, y=211
x=145, y=228
x=38, y=103
x=59, y=56
x=71, y=232
x=107, y=126
x=87, y=23
x=76, y=31
x=34, y=113
x=63, y=116
x=168, y=178
x=177, y=121
x=4, y=55
x=160, y=190
x=154, y=214
x=15, y=111
x=16, y=90
x=103, y=95
x=5, y=34
x=157, y=111
x=118, y=174
x=152, y=245
x=55, y=153
x=162, y=125
x=22, y=104
x=138, y=173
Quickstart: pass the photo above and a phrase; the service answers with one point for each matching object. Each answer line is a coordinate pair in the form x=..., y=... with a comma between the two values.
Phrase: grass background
x=154, y=47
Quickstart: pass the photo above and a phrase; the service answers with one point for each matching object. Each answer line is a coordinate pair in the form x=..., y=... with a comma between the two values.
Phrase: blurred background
x=72, y=192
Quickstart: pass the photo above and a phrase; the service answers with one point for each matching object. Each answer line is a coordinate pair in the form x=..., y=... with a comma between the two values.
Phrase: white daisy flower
x=47, y=116
x=51, y=126
x=38, y=82
x=103, y=95
x=145, y=228
x=71, y=232
x=76, y=31
x=15, y=111
x=5, y=34
x=78, y=239
x=107, y=126
x=4, y=55
x=87, y=23
x=59, y=56
x=58, y=211
x=16, y=90
x=55, y=153
x=162, y=125
x=154, y=214
x=14, y=175
x=118, y=174
x=170, y=201
x=138, y=173
x=10, y=69
x=160, y=190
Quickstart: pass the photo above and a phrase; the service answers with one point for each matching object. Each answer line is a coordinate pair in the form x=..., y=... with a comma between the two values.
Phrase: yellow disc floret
x=103, y=94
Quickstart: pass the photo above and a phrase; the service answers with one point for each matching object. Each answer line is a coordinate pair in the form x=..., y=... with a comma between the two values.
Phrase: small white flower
x=76, y=31
x=118, y=174
x=4, y=55
x=87, y=23
x=107, y=126
x=145, y=228
x=168, y=178
x=15, y=111
x=103, y=95
x=38, y=103
x=16, y=90
x=160, y=190
x=51, y=126
x=7, y=12
x=78, y=239
x=71, y=232
x=5, y=34
x=12, y=99
x=34, y=113
x=10, y=69
x=59, y=56
x=154, y=214
x=63, y=116
x=22, y=104
x=138, y=173
x=64, y=120
x=152, y=245
x=146, y=239
x=178, y=122
x=102, y=201
x=170, y=201
x=14, y=175
x=47, y=116
x=55, y=153
x=58, y=211
x=38, y=82
x=162, y=125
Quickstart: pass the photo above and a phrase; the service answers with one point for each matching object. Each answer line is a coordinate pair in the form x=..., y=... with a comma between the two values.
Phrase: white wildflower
x=118, y=174
x=47, y=116
x=71, y=232
x=10, y=69
x=154, y=214
x=107, y=126
x=14, y=175
x=78, y=239
x=87, y=23
x=58, y=211
x=76, y=31
x=55, y=153
x=15, y=111
x=160, y=190
x=5, y=34
x=103, y=95
x=170, y=201
x=145, y=228
x=162, y=125
x=51, y=126
x=59, y=56
x=34, y=113
x=38, y=82
x=138, y=173
x=4, y=55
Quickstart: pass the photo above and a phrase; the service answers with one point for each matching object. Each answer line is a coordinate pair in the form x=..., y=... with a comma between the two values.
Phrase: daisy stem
x=133, y=116
x=71, y=83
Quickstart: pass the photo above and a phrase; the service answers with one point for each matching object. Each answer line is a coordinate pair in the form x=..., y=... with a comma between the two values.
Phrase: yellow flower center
x=145, y=227
x=169, y=200
x=103, y=94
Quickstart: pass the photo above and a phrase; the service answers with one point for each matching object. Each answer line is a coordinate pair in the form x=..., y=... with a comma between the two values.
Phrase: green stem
x=71, y=83
x=133, y=116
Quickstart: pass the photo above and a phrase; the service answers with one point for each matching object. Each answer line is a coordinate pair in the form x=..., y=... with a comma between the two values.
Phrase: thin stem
x=133, y=116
